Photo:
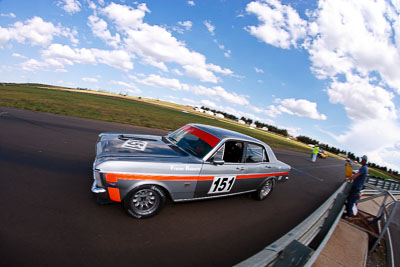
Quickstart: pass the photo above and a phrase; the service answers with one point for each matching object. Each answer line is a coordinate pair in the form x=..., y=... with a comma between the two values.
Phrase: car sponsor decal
x=114, y=177
x=185, y=168
x=208, y=138
x=222, y=184
x=135, y=144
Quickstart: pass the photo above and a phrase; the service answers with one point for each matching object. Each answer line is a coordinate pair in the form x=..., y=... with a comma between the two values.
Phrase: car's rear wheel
x=144, y=201
x=265, y=189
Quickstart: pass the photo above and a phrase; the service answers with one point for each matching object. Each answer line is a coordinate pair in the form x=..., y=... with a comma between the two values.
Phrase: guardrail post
x=385, y=227
x=295, y=254
x=332, y=215
x=382, y=207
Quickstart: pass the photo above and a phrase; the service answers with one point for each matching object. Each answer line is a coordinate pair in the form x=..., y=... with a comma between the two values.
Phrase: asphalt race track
x=49, y=216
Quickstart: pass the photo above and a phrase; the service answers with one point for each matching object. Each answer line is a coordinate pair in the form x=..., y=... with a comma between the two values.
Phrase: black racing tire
x=144, y=201
x=264, y=190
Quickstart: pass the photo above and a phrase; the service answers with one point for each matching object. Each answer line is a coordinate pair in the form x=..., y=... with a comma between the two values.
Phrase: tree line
x=260, y=125
x=349, y=154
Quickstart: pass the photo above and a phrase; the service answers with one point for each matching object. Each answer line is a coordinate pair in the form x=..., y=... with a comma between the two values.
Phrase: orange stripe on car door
x=250, y=176
x=114, y=177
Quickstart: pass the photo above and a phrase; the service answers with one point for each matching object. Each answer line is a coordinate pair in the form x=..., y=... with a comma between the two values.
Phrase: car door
x=219, y=174
x=258, y=166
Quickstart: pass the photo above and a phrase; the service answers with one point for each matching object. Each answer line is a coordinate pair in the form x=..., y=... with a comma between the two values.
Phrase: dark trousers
x=351, y=199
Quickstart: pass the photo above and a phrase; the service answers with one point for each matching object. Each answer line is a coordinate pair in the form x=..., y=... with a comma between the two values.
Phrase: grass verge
x=122, y=110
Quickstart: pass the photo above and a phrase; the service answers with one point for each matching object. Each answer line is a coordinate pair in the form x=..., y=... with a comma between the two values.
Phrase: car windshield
x=188, y=141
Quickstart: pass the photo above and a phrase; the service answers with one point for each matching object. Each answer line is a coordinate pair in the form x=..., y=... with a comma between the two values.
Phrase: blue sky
x=324, y=69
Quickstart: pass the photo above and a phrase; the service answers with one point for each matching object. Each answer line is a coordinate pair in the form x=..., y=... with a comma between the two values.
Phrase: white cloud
x=70, y=6
x=89, y=79
x=354, y=45
x=36, y=31
x=219, y=92
x=272, y=111
x=291, y=106
x=240, y=114
x=49, y=64
x=126, y=17
x=293, y=131
x=208, y=103
x=155, y=45
x=209, y=26
x=216, y=93
x=342, y=30
x=160, y=82
x=132, y=87
x=191, y=3
x=177, y=72
x=119, y=59
x=218, y=69
x=92, y=5
x=99, y=29
x=186, y=24
x=10, y=15
x=301, y=108
x=200, y=73
x=65, y=55
x=227, y=52
x=280, y=25
x=258, y=70
x=18, y=55
x=362, y=100
x=33, y=65
x=375, y=138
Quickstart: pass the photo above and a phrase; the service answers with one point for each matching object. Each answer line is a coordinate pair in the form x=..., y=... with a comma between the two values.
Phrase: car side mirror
x=218, y=162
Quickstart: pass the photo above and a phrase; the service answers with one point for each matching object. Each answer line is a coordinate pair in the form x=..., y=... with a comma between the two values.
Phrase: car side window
x=219, y=155
x=233, y=152
x=255, y=154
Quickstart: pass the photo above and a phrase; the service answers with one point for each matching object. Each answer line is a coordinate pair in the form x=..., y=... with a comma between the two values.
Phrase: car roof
x=223, y=133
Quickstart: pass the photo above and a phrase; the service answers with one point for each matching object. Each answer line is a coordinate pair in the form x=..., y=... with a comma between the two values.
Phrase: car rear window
x=255, y=153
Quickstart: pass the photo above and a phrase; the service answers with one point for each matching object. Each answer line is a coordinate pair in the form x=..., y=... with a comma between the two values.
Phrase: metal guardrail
x=302, y=245
x=385, y=184
x=384, y=216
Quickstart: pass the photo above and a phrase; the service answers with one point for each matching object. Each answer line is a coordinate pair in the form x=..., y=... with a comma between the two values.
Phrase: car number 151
x=222, y=184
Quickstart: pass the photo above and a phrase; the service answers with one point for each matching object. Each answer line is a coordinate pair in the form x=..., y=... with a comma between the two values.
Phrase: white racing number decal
x=222, y=184
x=135, y=144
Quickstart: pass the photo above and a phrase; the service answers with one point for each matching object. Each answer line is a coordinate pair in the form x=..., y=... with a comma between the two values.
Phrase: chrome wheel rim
x=266, y=189
x=145, y=201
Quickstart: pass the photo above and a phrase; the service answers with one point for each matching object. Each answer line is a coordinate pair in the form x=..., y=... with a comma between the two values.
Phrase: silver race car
x=194, y=162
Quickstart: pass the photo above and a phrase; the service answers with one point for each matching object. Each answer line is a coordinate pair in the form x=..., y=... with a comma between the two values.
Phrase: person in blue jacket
x=358, y=184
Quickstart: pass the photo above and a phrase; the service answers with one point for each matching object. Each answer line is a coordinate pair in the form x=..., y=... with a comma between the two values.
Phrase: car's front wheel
x=144, y=201
x=265, y=189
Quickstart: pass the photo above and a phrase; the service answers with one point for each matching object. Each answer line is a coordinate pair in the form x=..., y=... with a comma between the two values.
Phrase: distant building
x=264, y=128
x=219, y=115
x=199, y=109
x=241, y=122
x=209, y=112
